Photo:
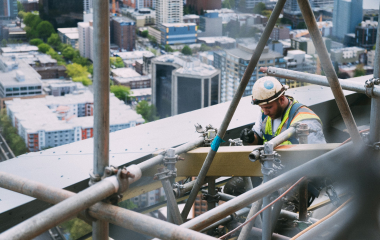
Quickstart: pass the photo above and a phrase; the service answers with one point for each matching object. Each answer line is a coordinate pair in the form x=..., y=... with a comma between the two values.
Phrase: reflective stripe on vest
x=303, y=113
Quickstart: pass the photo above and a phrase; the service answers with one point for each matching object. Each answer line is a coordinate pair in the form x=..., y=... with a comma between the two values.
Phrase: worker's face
x=273, y=109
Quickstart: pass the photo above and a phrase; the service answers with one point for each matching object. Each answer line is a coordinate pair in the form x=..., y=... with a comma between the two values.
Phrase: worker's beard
x=279, y=111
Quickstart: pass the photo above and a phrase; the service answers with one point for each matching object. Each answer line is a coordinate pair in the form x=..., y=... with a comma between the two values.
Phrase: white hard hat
x=266, y=90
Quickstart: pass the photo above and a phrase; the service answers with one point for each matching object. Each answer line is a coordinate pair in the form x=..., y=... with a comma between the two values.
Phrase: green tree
x=4, y=43
x=144, y=33
x=128, y=204
x=76, y=70
x=226, y=4
x=147, y=111
x=121, y=92
x=35, y=41
x=83, y=79
x=80, y=60
x=117, y=62
x=15, y=142
x=56, y=56
x=91, y=69
x=359, y=71
x=69, y=53
x=20, y=7
x=205, y=48
x=54, y=40
x=45, y=29
x=21, y=14
x=202, y=12
x=76, y=228
x=43, y=47
x=168, y=48
x=301, y=25
x=31, y=33
x=259, y=8
x=32, y=20
x=187, y=50
x=374, y=47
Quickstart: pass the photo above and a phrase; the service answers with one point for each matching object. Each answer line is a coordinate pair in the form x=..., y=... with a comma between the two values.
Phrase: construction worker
x=278, y=113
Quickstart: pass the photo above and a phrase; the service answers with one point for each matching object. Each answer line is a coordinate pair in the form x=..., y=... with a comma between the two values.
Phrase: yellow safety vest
x=296, y=112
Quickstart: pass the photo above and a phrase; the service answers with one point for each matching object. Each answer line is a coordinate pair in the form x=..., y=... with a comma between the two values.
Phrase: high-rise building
x=178, y=33
x=182, y=84
x=365, y=34
x=85, y=41
x=123, y=33
x=8, y=9
x=169, y=11
x=62, y=13
x=346, y=16
x=87, y=6
x=200, y=5
x=210, y=25
x=233, y=62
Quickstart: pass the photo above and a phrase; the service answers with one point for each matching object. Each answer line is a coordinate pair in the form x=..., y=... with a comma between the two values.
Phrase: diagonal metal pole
x=101, y=60
x=234, y=103
x=327, y=66
x=375, y=101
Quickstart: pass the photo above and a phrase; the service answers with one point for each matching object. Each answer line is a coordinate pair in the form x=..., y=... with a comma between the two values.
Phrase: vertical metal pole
x=267, y=166
x=172, y=203
x=327, y=66
x=375, y=101
x=303, y=199
x=101, y=51
x=246, y=230
x=211, y=192
x=234, y=103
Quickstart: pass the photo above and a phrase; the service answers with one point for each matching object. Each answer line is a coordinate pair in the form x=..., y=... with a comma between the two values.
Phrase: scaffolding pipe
x=227, y=219
x=100, y=229
x=106, y=212
x=180, y=191
x=178, y=150
x=317, y=79
x=234, y=103
x=375, y=101
x=63, y=211
x=327, y=66
x=316, y=167
x=282, y=137
x=246, y=230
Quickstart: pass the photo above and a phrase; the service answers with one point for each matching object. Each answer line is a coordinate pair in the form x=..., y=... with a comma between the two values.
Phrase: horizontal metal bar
x=178, y=150
x=319, y=166
x=318, y=79
x=106, y=212
x=282, y=137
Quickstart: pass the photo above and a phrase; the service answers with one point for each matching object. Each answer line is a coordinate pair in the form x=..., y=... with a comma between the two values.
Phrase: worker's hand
x=247, y=135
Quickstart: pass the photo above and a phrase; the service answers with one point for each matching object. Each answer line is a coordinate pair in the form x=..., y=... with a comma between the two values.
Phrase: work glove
x=247, y=135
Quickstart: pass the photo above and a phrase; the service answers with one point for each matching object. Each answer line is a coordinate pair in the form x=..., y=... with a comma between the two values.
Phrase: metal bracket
x=235, y=142
x=302, y=224
x=209, y=133
x=164, y=173
x=369, y=85
x=302, y=131
x=211, y=198
x=334, y=198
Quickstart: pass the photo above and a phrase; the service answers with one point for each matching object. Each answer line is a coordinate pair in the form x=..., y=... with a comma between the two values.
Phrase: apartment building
x=210, y=25
x=142, y=17
x=18, y=79
x=365, y=34
x=169, y=11
x=181, y=33
x=85, y=41
x=130, y=78
x=8, y=9
x=55, y=121
x=233, y=62
x=347, y=55
x=123, y=33
x=347, y=14
x=130, y=58
x=181, y=84
x=307, y=45
x=69, y=36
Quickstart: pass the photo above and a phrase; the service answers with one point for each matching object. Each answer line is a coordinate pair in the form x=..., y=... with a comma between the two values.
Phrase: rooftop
x=8, y=78
x=348, y=49
x=141, y=92
x=67, y=30
x=178, y=24
x=19, y=48
x=123, y=80
x=125, y=72
x=190, y=16
x=72, y=35
x=122, y=20
x=134, y=54
x=210, y=40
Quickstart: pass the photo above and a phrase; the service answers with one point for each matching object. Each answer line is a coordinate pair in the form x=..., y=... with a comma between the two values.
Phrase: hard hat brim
x=271, y=99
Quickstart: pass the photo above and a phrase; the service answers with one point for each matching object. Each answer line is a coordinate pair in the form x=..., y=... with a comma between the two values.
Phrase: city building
x=280, y=32
x=306, y=44
x=206, y=58
x=142, y=17
x=371, y=58
x=182, y=83
x=181, y=33
x=298, y=60
x=233, y=62
x=46, y=66
x=169, y=11
x=365, y=34
x=18, y=79
x=138, y=4
x=349, y=40
x=8, y=9
x=130, y=58
x=149, y=198
x=29, y=5
x=16, y=49
x=223, y=42
x=155, y=32
x=85, y=40
x=69, y=36
x=202, y=5
x=141, y=94
x=87, y=6
x=347, y=55
x=61, y=14
x=191, y=18
x=210, y=25
x=13, y=33
x=123, y=33
x=130, y=78
x=62, y=87
x=55, y=121
x=346, y=16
